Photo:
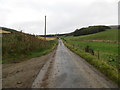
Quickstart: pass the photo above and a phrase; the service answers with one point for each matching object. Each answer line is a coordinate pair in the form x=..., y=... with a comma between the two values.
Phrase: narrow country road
x=68, y=70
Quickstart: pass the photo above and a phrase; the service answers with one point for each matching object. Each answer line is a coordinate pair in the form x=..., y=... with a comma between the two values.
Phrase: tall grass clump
x=17, y=46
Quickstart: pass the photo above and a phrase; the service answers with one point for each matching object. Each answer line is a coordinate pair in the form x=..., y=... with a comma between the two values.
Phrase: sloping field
x=99, y=42
x=19, y=46
x=110, y=34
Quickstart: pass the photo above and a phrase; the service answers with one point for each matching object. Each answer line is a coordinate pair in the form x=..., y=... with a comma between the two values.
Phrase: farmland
x=20, y=46
x=103, y=44
x=108, y=51
x=109, y=34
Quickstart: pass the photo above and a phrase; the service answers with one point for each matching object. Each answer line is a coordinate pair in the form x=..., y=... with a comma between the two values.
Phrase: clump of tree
x=89, y=30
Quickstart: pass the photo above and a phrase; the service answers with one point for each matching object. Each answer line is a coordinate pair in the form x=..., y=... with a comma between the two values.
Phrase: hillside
x=109, y=34
x=21, y=46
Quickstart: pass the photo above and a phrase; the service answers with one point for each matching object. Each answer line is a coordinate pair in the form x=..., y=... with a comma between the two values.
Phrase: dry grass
x=47, y=38
x=20, y=45
x=2, y=31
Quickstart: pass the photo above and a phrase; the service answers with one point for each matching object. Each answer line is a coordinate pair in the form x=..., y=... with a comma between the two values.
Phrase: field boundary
x=107, y=41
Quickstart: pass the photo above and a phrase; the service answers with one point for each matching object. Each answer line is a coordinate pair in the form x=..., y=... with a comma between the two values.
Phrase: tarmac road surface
x=68, y=70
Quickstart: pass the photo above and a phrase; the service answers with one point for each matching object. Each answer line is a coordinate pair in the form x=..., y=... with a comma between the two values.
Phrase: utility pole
x=45, y=27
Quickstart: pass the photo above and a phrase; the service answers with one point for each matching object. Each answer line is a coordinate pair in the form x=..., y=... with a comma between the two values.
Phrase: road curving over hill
x=67, y=70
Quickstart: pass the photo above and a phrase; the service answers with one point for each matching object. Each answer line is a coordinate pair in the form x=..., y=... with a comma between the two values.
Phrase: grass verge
x=32, y=54
x=44, y=52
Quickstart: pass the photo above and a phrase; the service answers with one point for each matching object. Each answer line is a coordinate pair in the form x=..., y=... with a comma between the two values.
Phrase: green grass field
x=107, y=51
x=110, y=34
x=103, y=51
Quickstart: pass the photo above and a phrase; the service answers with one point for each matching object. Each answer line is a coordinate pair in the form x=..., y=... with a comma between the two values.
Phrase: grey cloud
x=62, y=15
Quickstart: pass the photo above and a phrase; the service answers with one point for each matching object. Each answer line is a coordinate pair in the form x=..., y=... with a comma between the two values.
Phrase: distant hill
x=86, y=30
x=90, y=30
x=109, y=34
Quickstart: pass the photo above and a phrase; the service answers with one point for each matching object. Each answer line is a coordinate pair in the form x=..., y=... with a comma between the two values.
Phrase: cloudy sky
x=62, y=15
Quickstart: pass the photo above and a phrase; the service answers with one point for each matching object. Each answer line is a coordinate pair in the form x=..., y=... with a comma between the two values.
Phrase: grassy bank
x=101, y=65
x=19, y=46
